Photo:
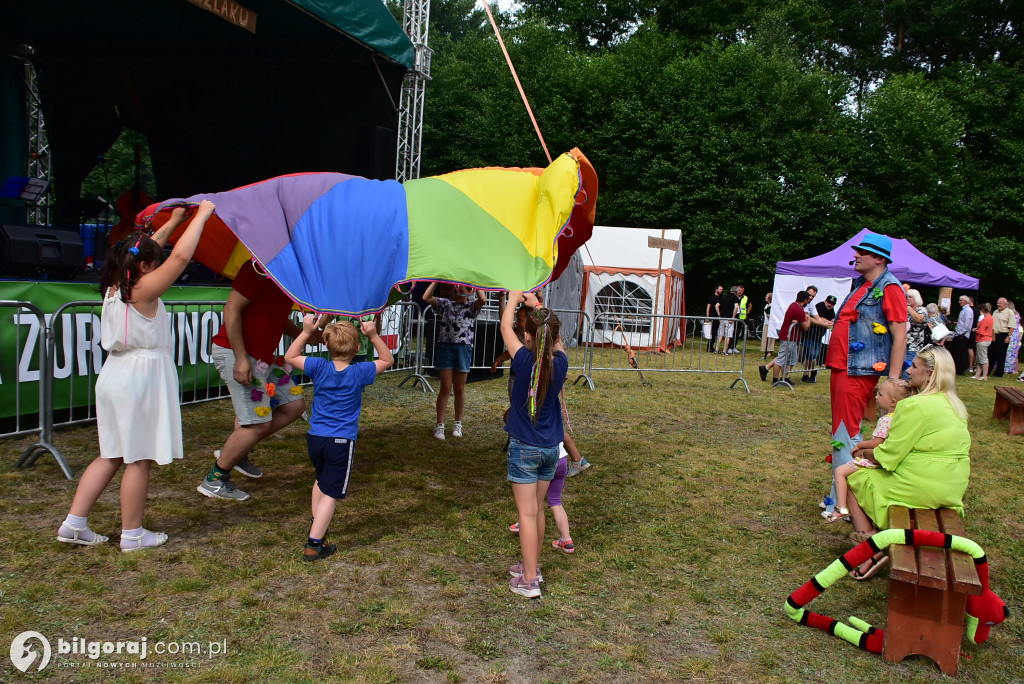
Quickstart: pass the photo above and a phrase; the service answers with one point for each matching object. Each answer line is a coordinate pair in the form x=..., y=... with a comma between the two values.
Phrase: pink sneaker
x=514, y=528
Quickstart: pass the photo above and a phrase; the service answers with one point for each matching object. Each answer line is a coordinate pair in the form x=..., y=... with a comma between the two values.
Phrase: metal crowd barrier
x=70, y=355
x=648, y=343
x=812, y=347
x=44, y=376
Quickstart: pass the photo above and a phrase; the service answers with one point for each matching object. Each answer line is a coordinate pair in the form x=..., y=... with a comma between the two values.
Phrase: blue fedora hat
x=876, y=244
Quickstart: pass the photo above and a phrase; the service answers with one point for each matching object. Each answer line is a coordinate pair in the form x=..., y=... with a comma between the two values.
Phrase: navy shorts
x=527, y=463
x=456, y=357
x=332, y=459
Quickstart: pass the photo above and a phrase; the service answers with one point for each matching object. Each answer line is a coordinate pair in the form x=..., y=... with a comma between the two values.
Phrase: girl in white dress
x=138, y=414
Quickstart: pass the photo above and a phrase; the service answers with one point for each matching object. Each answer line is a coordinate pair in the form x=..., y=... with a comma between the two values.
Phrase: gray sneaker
x=245, y=466
x=248, y=468
x=576, y=468
x=222, y=489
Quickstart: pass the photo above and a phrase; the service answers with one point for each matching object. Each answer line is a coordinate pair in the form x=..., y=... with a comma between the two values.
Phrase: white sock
x=76, y=521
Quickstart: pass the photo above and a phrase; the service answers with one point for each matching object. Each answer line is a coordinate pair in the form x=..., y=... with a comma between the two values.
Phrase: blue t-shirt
x=337, y=396
x=547, y=431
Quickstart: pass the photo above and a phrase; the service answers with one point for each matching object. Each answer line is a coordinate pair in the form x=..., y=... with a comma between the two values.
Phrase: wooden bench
x=1010, y=401
x=928, y=589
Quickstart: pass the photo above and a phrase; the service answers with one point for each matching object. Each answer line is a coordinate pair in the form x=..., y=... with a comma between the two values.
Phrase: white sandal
x=76, y=539
x=136, y=540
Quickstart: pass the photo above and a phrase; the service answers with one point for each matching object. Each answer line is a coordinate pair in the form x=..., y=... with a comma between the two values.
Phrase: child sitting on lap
x=887, y=394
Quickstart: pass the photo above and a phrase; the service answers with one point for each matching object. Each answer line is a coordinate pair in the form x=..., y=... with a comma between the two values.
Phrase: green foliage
x=766, y=131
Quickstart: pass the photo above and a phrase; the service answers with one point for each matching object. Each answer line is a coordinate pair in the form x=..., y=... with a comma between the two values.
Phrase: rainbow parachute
x=339, y=244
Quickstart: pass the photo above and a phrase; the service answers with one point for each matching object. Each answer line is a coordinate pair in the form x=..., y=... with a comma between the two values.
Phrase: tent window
x=623, y=303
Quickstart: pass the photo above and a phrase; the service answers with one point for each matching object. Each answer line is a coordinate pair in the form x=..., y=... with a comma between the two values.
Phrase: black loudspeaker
x=40, y=252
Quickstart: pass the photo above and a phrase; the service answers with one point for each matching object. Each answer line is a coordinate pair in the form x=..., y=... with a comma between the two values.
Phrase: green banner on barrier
x=78, y=355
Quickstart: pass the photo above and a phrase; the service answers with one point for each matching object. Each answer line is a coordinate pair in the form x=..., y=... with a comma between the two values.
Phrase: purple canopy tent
x=833, y=274
x=909, y=264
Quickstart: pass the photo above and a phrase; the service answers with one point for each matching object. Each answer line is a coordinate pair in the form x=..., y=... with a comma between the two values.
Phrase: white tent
x=630, y=274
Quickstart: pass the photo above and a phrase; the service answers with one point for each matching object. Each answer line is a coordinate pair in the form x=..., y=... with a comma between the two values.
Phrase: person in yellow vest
x=744, y=312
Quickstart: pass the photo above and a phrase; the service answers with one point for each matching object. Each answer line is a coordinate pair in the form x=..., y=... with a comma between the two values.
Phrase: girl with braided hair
x=138, y=414
x=534, y=425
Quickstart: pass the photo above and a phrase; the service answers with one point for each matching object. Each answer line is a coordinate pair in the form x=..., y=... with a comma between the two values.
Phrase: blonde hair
x=901, y=388
x=915, y=297
x=342, y=340
x=942, y=378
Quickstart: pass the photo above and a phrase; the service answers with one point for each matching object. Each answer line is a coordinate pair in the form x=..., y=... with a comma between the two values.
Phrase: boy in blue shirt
x=334, y=422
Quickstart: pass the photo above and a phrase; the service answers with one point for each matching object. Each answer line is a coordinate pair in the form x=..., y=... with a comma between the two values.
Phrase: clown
x=869, y=340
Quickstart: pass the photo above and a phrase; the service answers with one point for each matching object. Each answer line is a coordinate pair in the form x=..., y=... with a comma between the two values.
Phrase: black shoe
x=814, y=376
x=763, y=372
x=318, y=552
x=806, y=379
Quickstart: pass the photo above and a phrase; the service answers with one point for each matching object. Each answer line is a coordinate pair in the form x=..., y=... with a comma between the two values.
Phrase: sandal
x=836, y=515
x=858, y=537
x=876, y=565
x=75, y=538
x=137, y=542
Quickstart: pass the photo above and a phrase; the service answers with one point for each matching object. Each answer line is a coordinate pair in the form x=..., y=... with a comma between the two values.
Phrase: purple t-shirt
x=456, y=321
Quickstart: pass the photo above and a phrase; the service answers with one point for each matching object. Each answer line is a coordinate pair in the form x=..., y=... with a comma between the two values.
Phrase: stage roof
x=227, y=92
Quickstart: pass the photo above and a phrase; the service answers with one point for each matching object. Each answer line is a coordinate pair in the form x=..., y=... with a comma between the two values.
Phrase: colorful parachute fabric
x=339, y=244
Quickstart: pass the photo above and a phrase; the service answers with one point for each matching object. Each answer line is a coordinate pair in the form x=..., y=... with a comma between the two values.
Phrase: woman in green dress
x=925, y=462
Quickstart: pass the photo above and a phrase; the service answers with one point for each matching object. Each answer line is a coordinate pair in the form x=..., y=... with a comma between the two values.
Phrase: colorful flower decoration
x=880, y=366
x=288, y=368
x=907, y=364
x=279, y=360
x=296, y=390
x=271, y=389
x=262, y=410
x=257, y=395
x=261, y=367
x=877, y=293
x=856, y=346
x=878, y=328
x=278, y=371
x=285, y=379
x=274, y=403
x=256, y=382
x=828, y=459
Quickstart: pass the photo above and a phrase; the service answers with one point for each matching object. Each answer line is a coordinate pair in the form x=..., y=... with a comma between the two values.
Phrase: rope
x=519, y=85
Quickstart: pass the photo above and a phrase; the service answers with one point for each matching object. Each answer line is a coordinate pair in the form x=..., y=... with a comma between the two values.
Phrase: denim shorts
x=527, y=464
x=453, y=357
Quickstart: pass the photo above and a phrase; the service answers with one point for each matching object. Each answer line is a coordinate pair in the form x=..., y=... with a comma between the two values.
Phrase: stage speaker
x=40, y=252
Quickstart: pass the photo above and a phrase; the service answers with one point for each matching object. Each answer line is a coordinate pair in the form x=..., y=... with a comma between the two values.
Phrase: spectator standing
x=767, y=343
x=820, y=315
x=961, y=335
x=1003, y=321
x=917, y=328
x=1013, y=341
x=789, y=350
x=728, y=308
x=711, y=314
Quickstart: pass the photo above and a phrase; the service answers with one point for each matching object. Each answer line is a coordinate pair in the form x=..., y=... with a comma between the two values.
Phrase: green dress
x=924, y=462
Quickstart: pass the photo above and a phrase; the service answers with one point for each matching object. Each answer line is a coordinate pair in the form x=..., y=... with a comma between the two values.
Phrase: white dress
x=138, y=409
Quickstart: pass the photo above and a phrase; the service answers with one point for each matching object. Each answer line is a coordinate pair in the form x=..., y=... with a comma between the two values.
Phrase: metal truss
x=36, y=213
x=415, y=21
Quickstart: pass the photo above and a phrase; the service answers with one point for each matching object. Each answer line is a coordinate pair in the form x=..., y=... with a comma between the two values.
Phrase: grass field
x=697, y=520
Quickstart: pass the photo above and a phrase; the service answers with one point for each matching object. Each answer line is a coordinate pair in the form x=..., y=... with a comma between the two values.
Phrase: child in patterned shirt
x=454, y=348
